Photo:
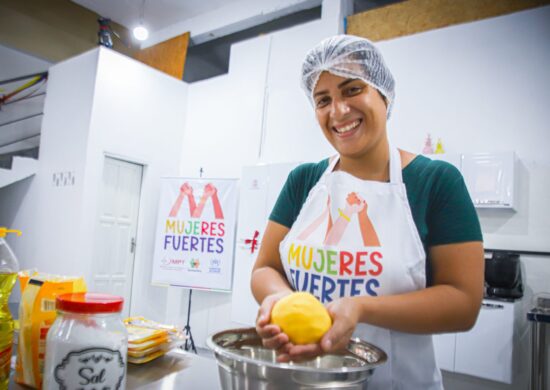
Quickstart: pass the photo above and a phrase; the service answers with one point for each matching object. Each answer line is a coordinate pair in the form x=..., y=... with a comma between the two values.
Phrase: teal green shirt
x=440, y=204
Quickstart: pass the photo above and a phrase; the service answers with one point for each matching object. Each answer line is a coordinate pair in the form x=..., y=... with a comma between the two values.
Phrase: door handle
x=132, y=245
x=492, y=306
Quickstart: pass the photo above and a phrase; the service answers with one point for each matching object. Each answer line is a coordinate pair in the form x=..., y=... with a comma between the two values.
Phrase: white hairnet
x=351, y=57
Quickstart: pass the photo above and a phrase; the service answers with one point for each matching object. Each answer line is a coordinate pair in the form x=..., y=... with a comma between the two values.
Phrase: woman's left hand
x=345, y=315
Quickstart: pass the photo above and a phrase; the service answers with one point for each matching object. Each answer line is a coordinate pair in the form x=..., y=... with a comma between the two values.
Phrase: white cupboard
x=486, y=350
x=490, y=178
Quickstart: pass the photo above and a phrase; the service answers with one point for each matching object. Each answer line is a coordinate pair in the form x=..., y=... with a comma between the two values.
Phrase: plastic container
x=148, y=340
x=8, y=274
x=86, y=347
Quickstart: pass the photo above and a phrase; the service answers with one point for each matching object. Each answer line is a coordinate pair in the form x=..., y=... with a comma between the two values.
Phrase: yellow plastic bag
x=36, y=315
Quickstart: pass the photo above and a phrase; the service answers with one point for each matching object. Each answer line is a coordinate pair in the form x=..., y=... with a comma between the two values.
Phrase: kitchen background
x=480, y=86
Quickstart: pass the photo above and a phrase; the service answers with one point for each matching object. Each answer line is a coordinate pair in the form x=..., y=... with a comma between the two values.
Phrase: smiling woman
x=351, y=114
x=389, y=241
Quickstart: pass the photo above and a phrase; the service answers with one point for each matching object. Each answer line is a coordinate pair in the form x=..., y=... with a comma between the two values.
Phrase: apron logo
x=333, y=272
x=335, y=231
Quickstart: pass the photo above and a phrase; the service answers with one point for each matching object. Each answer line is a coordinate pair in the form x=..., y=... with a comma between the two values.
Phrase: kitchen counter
x=175, y=370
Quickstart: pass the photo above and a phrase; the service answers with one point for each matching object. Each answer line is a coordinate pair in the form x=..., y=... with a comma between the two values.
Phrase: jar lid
x=89, y=303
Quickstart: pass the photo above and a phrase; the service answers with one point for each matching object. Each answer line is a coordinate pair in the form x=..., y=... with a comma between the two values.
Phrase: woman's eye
x=322, y=102
x=354, y=90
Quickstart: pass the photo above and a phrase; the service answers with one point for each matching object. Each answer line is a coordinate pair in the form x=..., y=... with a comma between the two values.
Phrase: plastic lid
x=89, y=303
x=4, y=231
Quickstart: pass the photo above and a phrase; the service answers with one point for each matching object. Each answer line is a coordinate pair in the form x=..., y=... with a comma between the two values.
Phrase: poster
x=195, y=233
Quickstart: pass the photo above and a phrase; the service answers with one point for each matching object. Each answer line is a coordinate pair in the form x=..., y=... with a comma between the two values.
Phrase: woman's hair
x=350, y=57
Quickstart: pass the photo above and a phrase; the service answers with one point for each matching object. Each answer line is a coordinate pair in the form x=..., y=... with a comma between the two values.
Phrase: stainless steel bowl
x=244, y=364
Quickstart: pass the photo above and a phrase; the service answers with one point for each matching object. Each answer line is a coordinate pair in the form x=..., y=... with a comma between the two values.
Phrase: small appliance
x=503, y=279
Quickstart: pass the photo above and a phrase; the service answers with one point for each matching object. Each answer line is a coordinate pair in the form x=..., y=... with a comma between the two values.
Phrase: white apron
x=358, y=237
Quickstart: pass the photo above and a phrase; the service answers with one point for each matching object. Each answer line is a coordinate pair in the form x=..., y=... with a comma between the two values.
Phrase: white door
x=117, y=228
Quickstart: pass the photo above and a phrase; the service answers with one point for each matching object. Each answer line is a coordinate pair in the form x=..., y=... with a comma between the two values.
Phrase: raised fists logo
x=355, y=205
x=195, y=210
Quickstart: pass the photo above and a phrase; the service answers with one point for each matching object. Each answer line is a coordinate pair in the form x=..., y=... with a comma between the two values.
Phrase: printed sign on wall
x=194, y=241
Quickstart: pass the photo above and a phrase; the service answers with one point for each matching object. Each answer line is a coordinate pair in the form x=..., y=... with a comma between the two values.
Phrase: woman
x=389, y=241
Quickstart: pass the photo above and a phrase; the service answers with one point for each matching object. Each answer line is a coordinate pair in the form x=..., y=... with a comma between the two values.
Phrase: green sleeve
x=451, y=216
x=283, y=212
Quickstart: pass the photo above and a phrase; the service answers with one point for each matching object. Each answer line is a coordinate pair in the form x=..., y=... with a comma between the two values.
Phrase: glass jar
x=86, y=347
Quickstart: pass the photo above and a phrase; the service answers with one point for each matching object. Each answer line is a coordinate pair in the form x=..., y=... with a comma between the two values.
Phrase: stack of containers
x=147, y=339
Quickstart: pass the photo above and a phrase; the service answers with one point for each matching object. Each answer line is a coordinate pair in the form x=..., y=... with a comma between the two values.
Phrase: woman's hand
x=210, y=189
x=345, y=316
x=354, y=203
x=272, y=336
x=186, y=189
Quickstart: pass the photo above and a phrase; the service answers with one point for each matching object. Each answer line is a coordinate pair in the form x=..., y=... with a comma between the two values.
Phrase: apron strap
x=331, y=164
x=396, y=176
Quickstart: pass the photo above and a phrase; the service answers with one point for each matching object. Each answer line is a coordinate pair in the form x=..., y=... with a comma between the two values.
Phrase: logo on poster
x=195, y=231
x=214, y=266
x=195, y=263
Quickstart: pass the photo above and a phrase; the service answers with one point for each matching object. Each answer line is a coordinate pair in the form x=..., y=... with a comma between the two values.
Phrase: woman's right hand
x=272, y=336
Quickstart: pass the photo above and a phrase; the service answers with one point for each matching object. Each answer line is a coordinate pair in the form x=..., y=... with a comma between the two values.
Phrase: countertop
x=177, y=369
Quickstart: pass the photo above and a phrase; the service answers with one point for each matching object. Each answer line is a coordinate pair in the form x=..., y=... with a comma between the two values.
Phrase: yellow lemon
x=302, y=317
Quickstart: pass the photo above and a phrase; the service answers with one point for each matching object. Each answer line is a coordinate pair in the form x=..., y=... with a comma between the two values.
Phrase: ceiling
x=157, y=14
x=160, y=16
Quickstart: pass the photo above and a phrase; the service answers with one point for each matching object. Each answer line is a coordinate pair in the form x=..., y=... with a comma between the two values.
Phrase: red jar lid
x=89, y=303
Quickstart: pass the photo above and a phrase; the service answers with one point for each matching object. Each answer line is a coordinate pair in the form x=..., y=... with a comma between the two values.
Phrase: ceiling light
x=141, y=33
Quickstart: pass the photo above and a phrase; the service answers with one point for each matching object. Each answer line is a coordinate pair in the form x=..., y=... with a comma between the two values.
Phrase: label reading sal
x=91, y=369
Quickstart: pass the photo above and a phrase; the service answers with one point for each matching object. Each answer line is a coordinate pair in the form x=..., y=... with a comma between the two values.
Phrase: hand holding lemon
x=302, y=317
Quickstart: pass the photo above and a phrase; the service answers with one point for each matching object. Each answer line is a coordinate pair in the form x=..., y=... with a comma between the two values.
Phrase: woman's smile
x=347, y=129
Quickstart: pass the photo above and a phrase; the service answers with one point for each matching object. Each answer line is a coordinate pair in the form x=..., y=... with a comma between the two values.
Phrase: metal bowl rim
x=285, y=366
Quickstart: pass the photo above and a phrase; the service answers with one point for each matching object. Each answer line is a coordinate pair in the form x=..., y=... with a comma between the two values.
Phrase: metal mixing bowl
x=244, y=364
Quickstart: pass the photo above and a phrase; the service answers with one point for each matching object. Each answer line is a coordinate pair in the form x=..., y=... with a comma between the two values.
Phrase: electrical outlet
x=63, y=179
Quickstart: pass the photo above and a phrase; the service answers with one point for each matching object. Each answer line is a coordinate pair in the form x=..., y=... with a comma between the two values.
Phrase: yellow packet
x=145, y=359
x=137, y=335
x=36, y=315
x=147, y=344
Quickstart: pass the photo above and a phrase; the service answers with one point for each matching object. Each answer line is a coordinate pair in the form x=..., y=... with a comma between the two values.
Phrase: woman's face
x=351, y=113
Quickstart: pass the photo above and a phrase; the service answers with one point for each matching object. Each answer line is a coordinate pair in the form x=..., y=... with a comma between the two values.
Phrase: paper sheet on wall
x=260, y=187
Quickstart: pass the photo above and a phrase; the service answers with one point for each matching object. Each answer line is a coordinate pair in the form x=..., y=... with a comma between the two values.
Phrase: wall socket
x=63, y=179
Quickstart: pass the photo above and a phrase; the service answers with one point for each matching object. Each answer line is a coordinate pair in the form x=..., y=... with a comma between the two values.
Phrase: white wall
x=138, y=115
x=482, y=87
x=99, y=103
x=62, y=148
x=34, y=204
